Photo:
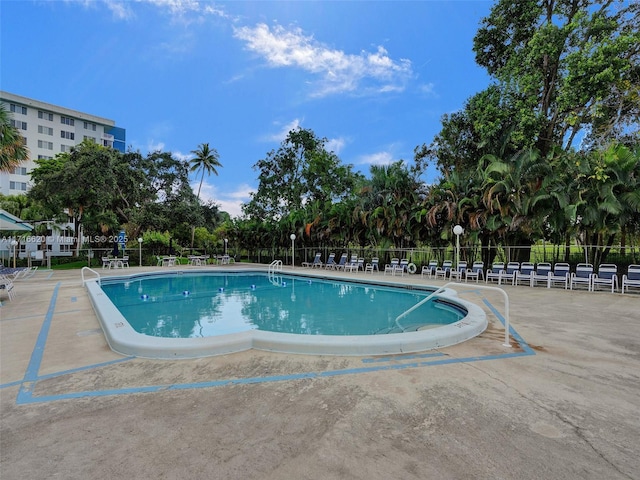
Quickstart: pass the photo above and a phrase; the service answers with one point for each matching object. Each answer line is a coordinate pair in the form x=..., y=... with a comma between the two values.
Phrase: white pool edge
x=123, y=339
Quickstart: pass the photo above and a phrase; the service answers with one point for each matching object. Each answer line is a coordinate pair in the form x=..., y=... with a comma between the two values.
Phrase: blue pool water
x=204, y=305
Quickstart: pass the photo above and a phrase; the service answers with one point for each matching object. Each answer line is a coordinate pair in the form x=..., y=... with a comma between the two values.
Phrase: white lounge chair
x=331, y=261
x=370, y=267
x=525, y=274
x=444, y=270
x=582, y=276
x=430, y=269
x=476, y=271
x=559, y=275
x=341, y=263
x=509, y=273
x=458, y=272
x=495, y=272
x=317, y=261
x=352, y=264
x=631, y=278
x=390, y=267
x=607, y=276
x=6, y=284
x=541, y=274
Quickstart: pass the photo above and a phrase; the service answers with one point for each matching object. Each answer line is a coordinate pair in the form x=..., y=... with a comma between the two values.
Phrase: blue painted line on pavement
x=392, y=362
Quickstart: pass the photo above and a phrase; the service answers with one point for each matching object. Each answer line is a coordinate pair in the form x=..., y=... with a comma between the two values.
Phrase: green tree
x=301, y=172
x=13, y=150
x=563, y=66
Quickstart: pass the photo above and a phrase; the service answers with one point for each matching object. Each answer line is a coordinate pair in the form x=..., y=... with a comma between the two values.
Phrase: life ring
x=411, y=268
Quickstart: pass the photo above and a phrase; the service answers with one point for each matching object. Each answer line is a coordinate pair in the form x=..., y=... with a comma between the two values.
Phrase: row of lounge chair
x=527, y=273
x=10, y=275
x=511, y=273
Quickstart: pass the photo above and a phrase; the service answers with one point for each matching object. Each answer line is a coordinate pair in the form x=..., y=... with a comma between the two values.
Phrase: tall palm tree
x=13, y=151
x=206, y=160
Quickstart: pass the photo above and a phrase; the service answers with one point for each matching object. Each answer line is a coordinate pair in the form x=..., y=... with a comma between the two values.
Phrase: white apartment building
x=50, y=129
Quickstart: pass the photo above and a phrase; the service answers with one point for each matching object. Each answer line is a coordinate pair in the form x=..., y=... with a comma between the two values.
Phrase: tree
x=206, y=161
x=300, y=173
x=13, y=150
x=564, y=66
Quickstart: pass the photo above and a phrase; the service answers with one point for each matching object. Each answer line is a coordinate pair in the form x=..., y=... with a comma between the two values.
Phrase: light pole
x=293, y=240
x=140, y=249
x=458, y=230
x=14, y=244
x=226, y=240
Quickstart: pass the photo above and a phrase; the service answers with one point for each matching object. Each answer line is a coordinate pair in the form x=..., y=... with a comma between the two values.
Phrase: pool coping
x=123, y=339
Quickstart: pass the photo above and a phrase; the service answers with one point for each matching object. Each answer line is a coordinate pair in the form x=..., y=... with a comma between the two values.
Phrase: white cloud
x=284, y=131
x=154, y=146
x=338, y=71
x=229, y=201
x=379, y=158
x=335, y=145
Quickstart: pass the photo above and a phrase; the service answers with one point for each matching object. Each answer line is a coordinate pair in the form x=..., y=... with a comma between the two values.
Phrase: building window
x=45, y=115
x=17, y=108
x=67, y=135
x=66, y=148
x=67, y=121
x=45, y=130
x=92, y=139
x=45, y=145
x=18, y=124
x=20, y=171
x=18, y=186
x=44, y=157
x=90, y=126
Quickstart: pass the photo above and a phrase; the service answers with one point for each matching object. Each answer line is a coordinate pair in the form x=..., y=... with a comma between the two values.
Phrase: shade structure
x=10, y=222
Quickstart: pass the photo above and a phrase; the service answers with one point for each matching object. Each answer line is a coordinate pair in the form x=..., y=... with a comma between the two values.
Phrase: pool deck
x=562, y=402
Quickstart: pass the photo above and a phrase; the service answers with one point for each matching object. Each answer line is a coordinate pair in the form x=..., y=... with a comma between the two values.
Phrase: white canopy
x=10, y=222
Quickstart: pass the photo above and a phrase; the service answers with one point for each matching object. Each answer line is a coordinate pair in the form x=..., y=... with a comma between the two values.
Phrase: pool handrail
x=506, y=343
x=92, y=271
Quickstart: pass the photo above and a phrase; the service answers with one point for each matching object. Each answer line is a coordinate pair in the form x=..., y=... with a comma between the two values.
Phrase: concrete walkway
x=562, y=402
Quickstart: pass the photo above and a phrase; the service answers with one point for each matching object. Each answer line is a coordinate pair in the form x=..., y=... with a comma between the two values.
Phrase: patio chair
x=317, y=261
x=341, y=263
x=476, y=271
x=360, y=264
x=495, y=272
x=430, y=269
x=509, y=273
x=401, y=267
x=352, y=264
x=607, y=276
x=370, y=267
x=582, y=276
x=124, y=262
x=331, y=261
x=444, y=270
x=6, y=284
x=559, y=275
x=541, y=274
x=458, y=272
x=524, y=274
x=631, y=278
x=390, y=267
x=106, y=262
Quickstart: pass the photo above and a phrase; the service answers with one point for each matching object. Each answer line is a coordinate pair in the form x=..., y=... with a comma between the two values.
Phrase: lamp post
x=293, y=240
x=226, y=240
x=140, y=249
x=14, y=244
x=458, y=230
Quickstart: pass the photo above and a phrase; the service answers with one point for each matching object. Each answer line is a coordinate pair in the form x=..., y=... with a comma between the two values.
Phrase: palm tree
x=12, y=148
x=207, y=159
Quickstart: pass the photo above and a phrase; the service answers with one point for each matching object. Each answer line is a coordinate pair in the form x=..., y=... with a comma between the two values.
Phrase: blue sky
x=374, y=78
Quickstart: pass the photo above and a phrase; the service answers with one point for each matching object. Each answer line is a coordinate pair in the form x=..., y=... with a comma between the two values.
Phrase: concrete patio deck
x=563, y=402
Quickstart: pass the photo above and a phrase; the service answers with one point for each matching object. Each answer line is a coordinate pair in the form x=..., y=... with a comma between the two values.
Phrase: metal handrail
x=92, y=271
x=441, y=289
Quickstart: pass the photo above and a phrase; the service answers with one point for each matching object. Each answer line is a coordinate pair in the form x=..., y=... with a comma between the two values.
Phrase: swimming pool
x=184, y=314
